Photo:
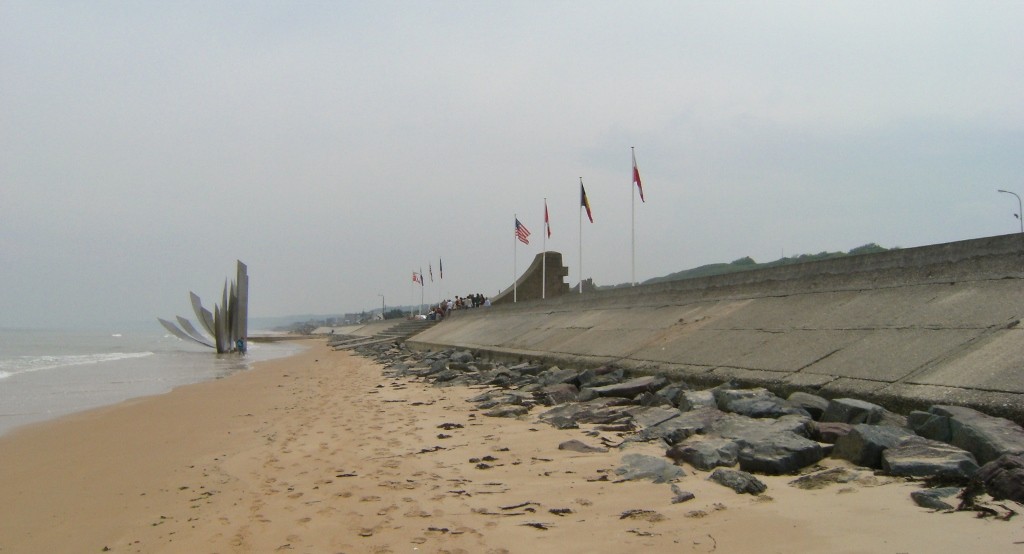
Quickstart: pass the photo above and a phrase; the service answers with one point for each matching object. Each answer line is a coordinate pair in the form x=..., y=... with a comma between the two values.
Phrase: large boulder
x=852, y=411
x=601, y=410
x=649, y=416
x=706, y=454
x=556, y=376
x=812, y=403
x=685, y=425
x=632, y=387
x=559, y=393
x=1003, y=478
x=778, y=453
x=733, y=426
x=640, y=466
x=921, y=457
x=600, y=377
x=864, y=444
x=828, y=431
x=695, y=399
x=985, y=436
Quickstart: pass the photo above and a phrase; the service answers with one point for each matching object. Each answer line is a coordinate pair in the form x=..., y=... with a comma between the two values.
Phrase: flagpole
x=581, y=235
x=544, y=252
x=632, y=224
x=515, y=271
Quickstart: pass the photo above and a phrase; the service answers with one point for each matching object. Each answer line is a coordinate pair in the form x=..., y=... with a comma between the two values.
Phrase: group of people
x=444, y=309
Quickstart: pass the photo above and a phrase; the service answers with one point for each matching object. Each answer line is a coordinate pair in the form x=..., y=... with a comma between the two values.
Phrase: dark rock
x=671, y=392
x=824, y=478
x=446, y=375
x=508, y=410
x=587, y=394
x=527, y=369
x=706, y=454
x=680, y=496
x=600, y=377
x=562, y=422
x=725, y=396
x=853, y=411
x=649, y=416
x=985, y=436
x=560, y=393
x=556, y=376
x=652, y=399
x=601, y=410
x=579, y=446
x=864, y=444
x=640, y=466
x=814, y=405
x=680, y=428
x=930, y=426
x=778, y=454
x=772, y=407
x=933, y=498
x=695, y=399
x=733, y=426
x=1003, y=478
x=632, y=387
x=920, y=457
x=828, y=431
x=436, y=367
x=739, y=481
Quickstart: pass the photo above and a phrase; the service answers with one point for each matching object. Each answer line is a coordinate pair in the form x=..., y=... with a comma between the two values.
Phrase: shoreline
x=318, y=452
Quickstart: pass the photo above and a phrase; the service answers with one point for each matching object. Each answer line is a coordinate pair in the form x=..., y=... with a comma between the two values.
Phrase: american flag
x=522, y=233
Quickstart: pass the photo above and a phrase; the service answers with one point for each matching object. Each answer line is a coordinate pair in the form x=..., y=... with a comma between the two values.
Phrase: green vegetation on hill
x=747, y=263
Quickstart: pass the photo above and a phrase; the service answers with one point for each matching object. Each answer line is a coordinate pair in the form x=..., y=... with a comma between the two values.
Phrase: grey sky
x=335, y=147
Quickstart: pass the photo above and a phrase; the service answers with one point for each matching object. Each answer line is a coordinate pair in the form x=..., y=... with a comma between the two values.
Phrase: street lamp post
x=381, y=306
x=1020, y=212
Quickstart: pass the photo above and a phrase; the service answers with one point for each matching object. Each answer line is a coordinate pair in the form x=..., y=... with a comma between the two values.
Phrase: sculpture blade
x=192, y=332
x=173, y=329
x=202, y=314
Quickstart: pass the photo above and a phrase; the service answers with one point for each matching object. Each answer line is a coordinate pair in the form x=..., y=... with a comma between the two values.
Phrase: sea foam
x=27, y=364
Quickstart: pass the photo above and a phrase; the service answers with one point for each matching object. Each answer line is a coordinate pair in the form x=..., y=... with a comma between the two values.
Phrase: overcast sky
x=336, y=147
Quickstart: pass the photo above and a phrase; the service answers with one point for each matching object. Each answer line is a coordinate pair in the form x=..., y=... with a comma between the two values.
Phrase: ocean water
x=47, y=374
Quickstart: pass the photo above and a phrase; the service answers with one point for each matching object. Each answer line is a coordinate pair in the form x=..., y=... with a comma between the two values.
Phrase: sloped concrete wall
x=905, y=328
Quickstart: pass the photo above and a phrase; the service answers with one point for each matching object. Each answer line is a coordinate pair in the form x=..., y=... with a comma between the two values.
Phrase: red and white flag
x=636, y=178
x=415, y=277
x=547, y=221
x=522, y=233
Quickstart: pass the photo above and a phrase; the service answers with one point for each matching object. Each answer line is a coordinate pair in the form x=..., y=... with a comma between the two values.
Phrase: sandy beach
x=320, y=452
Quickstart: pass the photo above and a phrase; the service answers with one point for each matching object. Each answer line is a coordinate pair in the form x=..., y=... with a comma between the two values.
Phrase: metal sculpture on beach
x=227, y=324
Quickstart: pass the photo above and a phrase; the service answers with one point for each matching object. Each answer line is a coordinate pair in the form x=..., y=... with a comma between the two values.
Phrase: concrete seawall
x=905, y=328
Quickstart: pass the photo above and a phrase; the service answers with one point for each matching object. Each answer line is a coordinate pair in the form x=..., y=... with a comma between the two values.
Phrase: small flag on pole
x=547, y=221
x=522, y=233
x=636, y=178
x=415, y=278
x=584, y=202
x=421, y=277
x=430, y=268
x=440, y=268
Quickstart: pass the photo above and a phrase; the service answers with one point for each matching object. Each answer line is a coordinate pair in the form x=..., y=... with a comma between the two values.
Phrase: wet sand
x=321, y=453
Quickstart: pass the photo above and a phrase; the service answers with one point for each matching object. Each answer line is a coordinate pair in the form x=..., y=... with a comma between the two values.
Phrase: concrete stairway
x=399, y=332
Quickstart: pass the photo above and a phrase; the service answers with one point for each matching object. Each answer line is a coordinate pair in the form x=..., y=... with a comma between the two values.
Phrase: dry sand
x=319, y=453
